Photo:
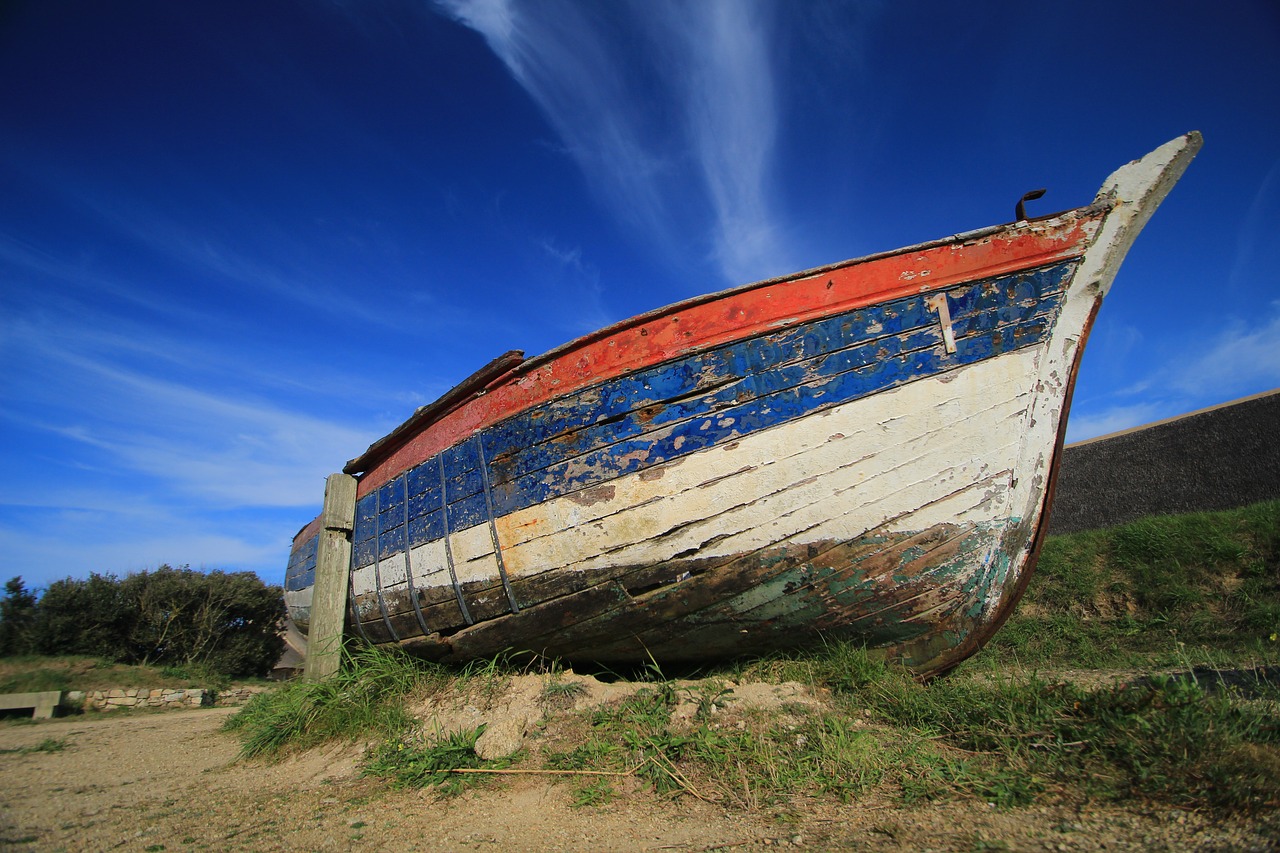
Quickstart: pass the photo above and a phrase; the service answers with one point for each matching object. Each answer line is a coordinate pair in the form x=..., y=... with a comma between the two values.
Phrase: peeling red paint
x=654, y=338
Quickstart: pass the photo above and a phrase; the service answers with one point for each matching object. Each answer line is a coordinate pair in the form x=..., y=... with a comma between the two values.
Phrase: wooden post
x=333, y=561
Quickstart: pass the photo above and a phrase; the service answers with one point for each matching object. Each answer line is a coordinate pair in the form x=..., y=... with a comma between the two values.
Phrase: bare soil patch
x=171, y=781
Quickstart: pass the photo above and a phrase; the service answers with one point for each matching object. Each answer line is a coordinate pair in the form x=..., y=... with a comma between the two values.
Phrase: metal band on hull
x=624, y=428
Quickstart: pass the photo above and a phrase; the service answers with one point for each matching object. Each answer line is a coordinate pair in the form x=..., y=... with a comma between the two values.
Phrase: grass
x=49, y=744
x=1156, y=592
x=417, y=760
x=558, y=695
x=1165, y=593
x=1009, y=742
x=364, y=699
x=1011, y=739
x=37, y=673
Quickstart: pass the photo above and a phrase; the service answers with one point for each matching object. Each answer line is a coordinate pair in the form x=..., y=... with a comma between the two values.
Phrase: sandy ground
x=171, y=781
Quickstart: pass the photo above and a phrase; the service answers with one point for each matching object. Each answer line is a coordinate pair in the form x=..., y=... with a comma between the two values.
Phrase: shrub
x=17, y=612
x=223, y=622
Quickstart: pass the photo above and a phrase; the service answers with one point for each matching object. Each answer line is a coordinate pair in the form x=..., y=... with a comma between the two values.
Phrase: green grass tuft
x=1161, y=738
x=363, y=699
x=414, y=761
x=49, y=744
x=1160, y=593
x=1152, y=592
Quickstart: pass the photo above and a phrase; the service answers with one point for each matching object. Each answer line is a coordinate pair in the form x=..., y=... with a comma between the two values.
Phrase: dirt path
x=169, y=781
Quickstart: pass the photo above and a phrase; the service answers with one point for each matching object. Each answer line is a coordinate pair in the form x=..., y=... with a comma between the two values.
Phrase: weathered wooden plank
x=483, y=639
x=707, y=322
x=609, y=624
x=759, y=461
x=825, y=596
x=821, y=495
x=979, y=307
x=662, y=445
x=630, y=527
x=1030, y=294
x=631, y=405
x=824, y=496
x=301, y=571
x=329, y=595
x=666, y=613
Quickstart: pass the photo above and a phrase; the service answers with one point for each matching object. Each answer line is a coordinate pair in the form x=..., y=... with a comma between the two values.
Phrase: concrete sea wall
x=1219, y=458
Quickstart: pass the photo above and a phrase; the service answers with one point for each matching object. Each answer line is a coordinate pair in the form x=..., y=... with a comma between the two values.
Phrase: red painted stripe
x=702, y=324
x=310, y=529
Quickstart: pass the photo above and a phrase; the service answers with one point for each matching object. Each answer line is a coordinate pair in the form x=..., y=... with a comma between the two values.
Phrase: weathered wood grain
x=706, y=322
x=864, y=450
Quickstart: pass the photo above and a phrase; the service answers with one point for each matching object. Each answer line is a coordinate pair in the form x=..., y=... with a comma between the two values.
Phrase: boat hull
x=864, y=451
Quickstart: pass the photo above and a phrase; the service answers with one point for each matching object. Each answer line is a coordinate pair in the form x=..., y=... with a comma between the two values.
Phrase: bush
x=222, y=622
x=17, y=612
x=82, y=617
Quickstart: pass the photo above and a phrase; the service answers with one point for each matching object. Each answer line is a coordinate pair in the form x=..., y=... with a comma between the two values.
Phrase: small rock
x=500, y=739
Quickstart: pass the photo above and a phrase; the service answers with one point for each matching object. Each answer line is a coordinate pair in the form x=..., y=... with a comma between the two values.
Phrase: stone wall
x=1219, y=458
x=159, y=697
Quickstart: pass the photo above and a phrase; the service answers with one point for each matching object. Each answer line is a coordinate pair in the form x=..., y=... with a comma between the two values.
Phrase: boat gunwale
x=1086, y=212
x=425, y=417
x=1093, y=235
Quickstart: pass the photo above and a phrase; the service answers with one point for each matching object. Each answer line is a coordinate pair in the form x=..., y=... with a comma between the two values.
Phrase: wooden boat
x=865, y=450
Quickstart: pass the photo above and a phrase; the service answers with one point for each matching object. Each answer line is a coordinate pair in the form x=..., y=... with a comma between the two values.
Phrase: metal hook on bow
x=1020, y=213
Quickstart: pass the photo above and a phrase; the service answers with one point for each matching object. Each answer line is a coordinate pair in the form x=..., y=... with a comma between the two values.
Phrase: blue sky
x=241, y=240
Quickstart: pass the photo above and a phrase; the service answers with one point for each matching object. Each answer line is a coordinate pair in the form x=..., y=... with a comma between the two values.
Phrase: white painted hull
x=904, y=514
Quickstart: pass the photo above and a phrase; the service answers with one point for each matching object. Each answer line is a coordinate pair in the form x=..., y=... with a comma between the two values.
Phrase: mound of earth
x=172, y=781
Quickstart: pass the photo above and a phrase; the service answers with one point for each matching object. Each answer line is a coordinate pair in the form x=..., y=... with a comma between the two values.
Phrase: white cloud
x=217, y=443
x=1239, y=360
x=728, y=94
x=652, y=100
x=55, y=543
x=1085, y=425
x=29, y=267
x=286, y=273
x=144, y=459
x=1259, y=233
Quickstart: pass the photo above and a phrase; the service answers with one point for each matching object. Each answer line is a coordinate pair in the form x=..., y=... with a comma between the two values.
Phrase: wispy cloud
x=137, y=442
x=134, y=449
x=726, y=85
x=1242, y=358
x=586, y=306
x=215, y=243
x=72, y=534
x=1086, y=424
x=215, y=442
x=653, y=99
x=1259, y=233
x=286, y=273
x=28, y=268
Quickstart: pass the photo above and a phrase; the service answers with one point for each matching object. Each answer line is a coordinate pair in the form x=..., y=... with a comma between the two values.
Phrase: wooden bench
x=41, y=704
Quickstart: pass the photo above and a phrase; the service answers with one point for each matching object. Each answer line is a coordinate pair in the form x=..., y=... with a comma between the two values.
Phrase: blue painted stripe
x=653, y=416
x=301, y=572
x=617, y=408
x=791, y=403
